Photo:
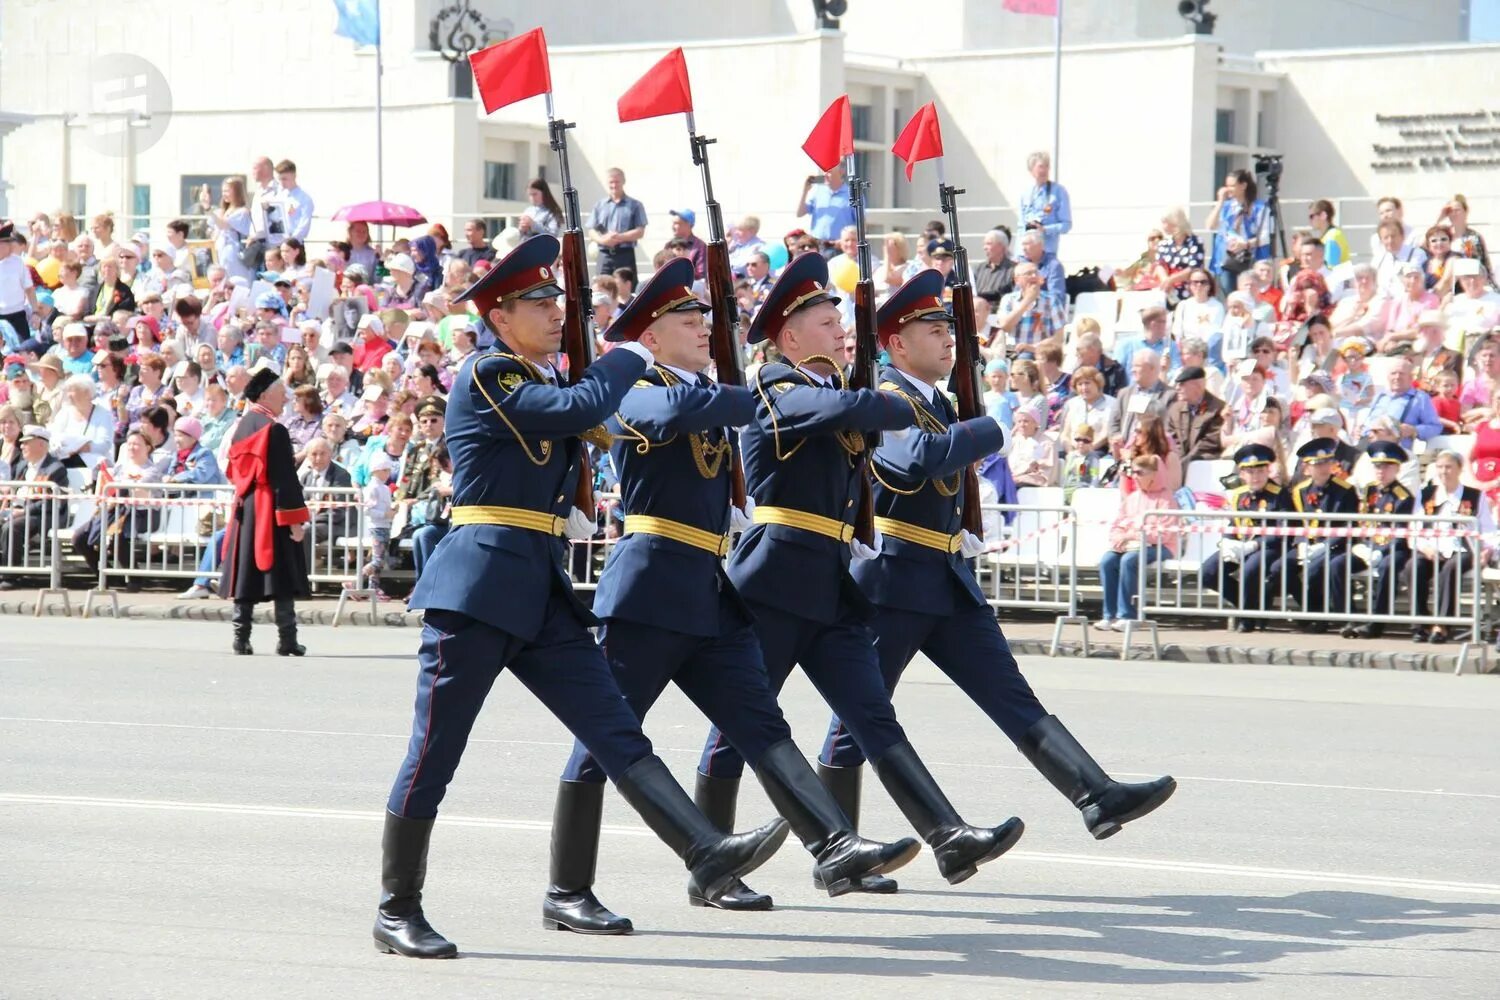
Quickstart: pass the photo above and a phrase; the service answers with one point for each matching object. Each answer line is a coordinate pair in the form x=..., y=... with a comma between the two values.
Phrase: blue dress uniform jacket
x=667, y=438
x=514, y=442
x=1336, y=496
x=919, y=480
x=801, y=453
x=1244, y=582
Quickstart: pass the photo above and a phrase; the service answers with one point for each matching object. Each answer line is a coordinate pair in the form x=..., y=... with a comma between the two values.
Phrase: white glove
x=863, y=551
x=639, y=350
x=580, y=526
x=970, y=545
x=741, y=519
x=1004, y=439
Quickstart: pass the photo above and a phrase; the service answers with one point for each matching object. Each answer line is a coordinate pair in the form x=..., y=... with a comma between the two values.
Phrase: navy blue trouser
x=840, y=661
x=723, y=676
x=460, y=658
x=1248, y=584
x=969, y=647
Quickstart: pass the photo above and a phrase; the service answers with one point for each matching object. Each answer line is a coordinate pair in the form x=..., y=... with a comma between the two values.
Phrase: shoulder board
x=1340, y=481
x=1304, y=484
x=779, y=373
x=507, y=370
x=1401, y=492
x=1239, y=491
x=890, y=387
x=651, y=377
x=1273, y=487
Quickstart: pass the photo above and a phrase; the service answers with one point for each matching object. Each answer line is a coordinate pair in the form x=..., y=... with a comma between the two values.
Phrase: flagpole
x=379, y=114
x=1056, y=84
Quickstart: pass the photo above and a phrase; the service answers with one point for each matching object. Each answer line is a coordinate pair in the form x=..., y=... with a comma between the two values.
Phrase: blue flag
x=359, y=21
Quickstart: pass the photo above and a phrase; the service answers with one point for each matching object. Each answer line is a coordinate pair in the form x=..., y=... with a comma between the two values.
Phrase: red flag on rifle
x=832, y=138
x=512, y=70
x=922, y=139
x=664, y=90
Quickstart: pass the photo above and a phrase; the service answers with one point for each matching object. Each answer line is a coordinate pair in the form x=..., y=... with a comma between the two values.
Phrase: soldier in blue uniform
x=1312, y=569
x=671, y=614
x=1386, y=553
x=804, y=460
x=923, y=587
x=1238, y=570
x=496, y=596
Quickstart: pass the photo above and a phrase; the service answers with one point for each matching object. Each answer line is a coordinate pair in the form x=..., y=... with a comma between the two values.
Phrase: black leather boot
x=715, y=860
x=841, y=857
x=959, y=848
x=716, y=798
x=400, y=927
x=244, y=617
x=1106, y=804
x=570, y=904
x=844, y=784
x=286, y=630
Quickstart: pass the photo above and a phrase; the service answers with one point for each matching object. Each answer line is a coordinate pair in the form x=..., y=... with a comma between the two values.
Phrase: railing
x=31, y=529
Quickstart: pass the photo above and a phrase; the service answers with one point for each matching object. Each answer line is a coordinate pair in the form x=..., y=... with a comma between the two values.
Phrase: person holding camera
x=1241, y=224
x=1045, y=207
x=825, y=201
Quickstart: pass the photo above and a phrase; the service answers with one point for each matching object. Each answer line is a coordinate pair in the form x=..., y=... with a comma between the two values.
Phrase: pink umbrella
x=380, y=213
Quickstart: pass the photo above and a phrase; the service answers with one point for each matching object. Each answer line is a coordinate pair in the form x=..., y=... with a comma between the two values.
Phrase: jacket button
x=849, y=504
x=958, y=510
x=559, y=498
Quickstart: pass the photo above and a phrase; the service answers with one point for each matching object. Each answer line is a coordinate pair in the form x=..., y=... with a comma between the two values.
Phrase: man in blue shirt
x=1410, y=407
x=617, y=224
x=1045, y=207
x=1153, y=335
x=1034, y=249
x=827, y=205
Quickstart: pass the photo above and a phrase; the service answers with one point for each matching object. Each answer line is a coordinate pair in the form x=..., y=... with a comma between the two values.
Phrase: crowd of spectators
x=128, y=353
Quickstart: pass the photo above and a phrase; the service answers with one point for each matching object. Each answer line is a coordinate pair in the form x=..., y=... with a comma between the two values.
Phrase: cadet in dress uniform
x=922, y=586
x=1308, y=568
x=1438, y=565
x=804, y=461
x=1238, y=569
x=671, y=615
x=496, y=596
x=264, y=559
x=1389, y=554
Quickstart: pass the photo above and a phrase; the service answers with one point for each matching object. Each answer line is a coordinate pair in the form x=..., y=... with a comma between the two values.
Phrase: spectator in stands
x=1389, y=209
x=1150, y=438
x=376, y=500
x=346, y=448
x=1202, y=314
x=1403, y=312
x=1088, y=407
x=25, y=515
x=1153, y=337
x=1472, y=309
x=217, y=417
x=1084, y=466
x=1195, y=418
x=994, y=276
x=1391, y=251
x=10, y=441
x=71, y=299
x=999, y=401
x=617, y=224
x=1384, y=430
x=1325, y=421
x=1335, y=247
x=1355, y=384
x=1244, y=411
x=1267, y=293
x=1455, y=216
x=1139, y=274
x=1307, y=297
x=1027, y=388
x=1240, y=223
x=1474, y=398
x=136, y=466
x=1147, y=393
x=1439, y=246
x=544, y=214
x=683, y=220
x=1178, y=255
x=477, y=235
x=1362, y=313
x=1443, y=385
x=1195, y=354
x=1438, y=565
x=1033, y=250
x=192, y=463
x=150, y=390
x=373, y=345
x=744, y=240
x=320, y=471
x=1484, y=456
x=435, y=508
x=1410, y=407
x=1032, y=312
x=82, y=432
x=826, y=203
x=1089, y=350
x=1033, y=454
x=1237, y=331
x=1045, y=208
x=1307, y=258
x=1056, y=382
x=304, y=419
x=1430, y=357
x=1132, y=539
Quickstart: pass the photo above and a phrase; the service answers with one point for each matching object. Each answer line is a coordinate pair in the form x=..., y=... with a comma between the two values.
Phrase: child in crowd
x=1445, y=401
x=378, y=510
x=1356, y=386
x=1082, y=467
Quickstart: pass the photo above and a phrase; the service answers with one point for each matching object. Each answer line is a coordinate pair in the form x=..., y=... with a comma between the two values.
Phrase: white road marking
x=543, y=826
x=1374, y=789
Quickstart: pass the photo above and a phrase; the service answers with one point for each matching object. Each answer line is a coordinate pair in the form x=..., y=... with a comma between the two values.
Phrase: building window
x=862, y=164
x=861, y=118
x=78, y=200
x=140, y=207
x=461, y=81
x=1223, y=163
x=499, y=181
x=1224, y=126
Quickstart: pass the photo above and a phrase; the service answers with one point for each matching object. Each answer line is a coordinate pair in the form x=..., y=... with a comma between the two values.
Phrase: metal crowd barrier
x=32, y=517
x=1351, y=569
x=1033, y=563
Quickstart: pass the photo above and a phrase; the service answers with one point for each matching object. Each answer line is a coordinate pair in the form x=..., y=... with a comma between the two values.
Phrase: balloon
x=779, y=256
x=844, y=273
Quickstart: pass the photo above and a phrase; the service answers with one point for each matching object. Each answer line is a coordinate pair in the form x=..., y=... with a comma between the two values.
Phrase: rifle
x=865, y=373
x=578, y=325
x=723, y=343
x=965, y=380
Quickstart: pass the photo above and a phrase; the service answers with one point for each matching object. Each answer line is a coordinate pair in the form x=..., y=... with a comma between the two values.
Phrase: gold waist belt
x=816, y=523
x=645, y=524
x=511, y=517
x=917, y=535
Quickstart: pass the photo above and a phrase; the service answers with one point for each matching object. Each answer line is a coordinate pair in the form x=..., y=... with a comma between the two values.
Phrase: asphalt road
x=179, y=822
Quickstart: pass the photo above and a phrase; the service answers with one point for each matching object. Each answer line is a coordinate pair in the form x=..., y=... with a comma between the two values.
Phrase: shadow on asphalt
x=1214, y=939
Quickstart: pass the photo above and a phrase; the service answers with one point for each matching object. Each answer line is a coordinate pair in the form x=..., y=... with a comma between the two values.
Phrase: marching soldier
x=803, y=466
x=1389, y=555
x=1305, y=568
x=1238, y=569
x=264, y=559
x=1438, y=564
x=496, y=596
x=924, y=589
x=671, y=614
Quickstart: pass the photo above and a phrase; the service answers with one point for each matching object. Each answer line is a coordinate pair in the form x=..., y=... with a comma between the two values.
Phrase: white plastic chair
x=1206, y=475
x=1095, y=509
x=1131, y=304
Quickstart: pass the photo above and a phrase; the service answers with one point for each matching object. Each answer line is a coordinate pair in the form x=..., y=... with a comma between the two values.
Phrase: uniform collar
x=929, y=392
x=691, y=378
